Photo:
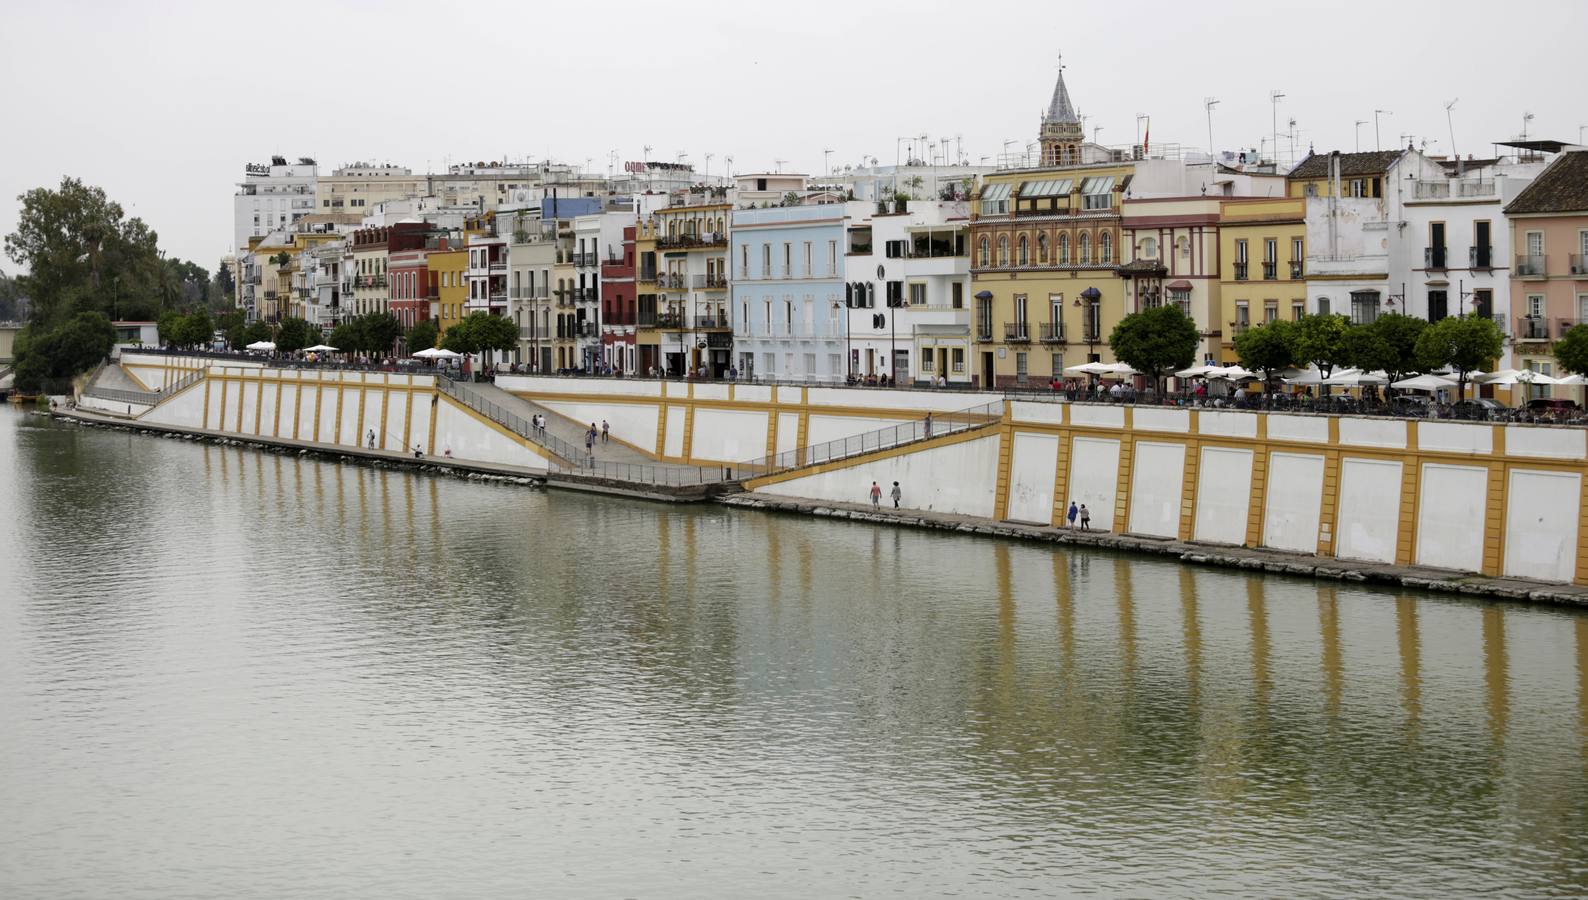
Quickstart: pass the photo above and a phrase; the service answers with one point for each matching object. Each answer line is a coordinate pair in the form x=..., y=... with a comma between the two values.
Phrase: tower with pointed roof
x=1062, y=133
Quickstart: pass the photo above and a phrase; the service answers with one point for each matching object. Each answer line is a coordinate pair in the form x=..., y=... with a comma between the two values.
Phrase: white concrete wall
x=633, y=423
x=1227, y=424
x=1450, y=516
x=788, y=432
x=959, y=478
x=1031, y=476
x=1308, y=429
x=946, y=401
x=1541, y=517
x=1094, y=478
x=821, y=429
x=1224, y=494
x=470, y=439
x=752, y=393
x=1551, y=443
x=1156, y=486
x=1149, y=418
x=419, y=430
x=115, y=407
x=1295, y=497
x=674, y=439
x=542, y=385
x=1368, y=520
x=1040, y=413
x=1097, y=417
x=711, y=391
x=1373, y=432
x=726, y=435
x=1455, y=437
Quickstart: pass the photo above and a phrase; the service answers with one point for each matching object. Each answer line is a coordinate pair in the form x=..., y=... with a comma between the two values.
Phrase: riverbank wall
x=1498, y=500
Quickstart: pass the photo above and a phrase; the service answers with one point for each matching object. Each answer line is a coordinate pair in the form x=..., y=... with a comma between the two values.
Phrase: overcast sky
x=162, y=103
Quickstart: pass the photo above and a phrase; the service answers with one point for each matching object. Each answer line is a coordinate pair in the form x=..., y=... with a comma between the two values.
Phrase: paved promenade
x=1417, y=577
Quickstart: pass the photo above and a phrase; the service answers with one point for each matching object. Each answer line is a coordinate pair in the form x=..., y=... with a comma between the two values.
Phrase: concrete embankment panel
x=959, y=478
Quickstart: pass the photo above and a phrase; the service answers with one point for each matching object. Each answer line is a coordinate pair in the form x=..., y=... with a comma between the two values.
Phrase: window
x=1298, y=308
x=984, y=319
x=958, y=358
x=926, y=359
x=895, y=295
x=832, y=257
x=1483, y=302
x=1240, y=259
x=1064, y=249
x=766, y=260
x=1025, y=257
x=1184, y=246
x=1364, y=306
x=1020, y=310
x=995, y=200
x=1323, y=306
x=894, y=249
x=744, y=260
x=1436, y=306
x=958, y=293
x=981, y=253
x=1270, y=311
x=1243, y=318
x=788, y=259
x=1083, y=249
x=1042, y=249
x=1270, y=259
x=1003, y=250
x=1535, y=306
x=1105, y=247
x=918, y=294
x=1182, y=301
x=1097, y=193
x=1020, y=367
x=808, y=269
x=1149, y=248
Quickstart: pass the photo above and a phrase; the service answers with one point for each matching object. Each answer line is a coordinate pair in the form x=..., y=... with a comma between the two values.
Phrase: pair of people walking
x=1082, y=513
x=876, y=495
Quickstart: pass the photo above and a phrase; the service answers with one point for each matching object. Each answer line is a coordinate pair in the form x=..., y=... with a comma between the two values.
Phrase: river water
x=230, y=673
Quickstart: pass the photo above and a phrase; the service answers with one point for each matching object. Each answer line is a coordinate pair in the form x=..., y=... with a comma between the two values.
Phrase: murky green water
x=226, y=673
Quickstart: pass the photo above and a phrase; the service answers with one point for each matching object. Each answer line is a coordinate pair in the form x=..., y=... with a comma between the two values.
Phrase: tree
x=346, y=338
x=1571, y=351
x=253, y=334
x=1317, y=340
x=295, y=334
x=379, y=331
x=196, y=330
x=1392, y=348
x=1155, y=341
x=1463, y=343
x=1268, y=348
x=231, y=324
x=480, y=331
x=422, y=336
x=83, y=254
x=168, y=326
x=47, y=357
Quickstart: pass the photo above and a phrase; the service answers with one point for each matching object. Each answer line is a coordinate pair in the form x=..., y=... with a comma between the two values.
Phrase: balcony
x=1480, y=256
x=717, y=321
x=1240, y=271
x=1091, y=333
x=669, y=320
x=1564, y=325
x=984, y=331
x=1270, y=271
x=1239, y=328
x=709, y=282
x=692, y=241
x=563, y=298
x=1579, y=264
x=646, y=318
x=1017, y=333
x=1297, y=270
x=646, y=275
x=592, y=294
x=1052, y=332
x=1532, y=328
x=674, y=280
x=1529, y=266
x=1434, y=258
x=498, y=265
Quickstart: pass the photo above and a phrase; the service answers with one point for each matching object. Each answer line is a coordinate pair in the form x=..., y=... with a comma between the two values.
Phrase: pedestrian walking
x=1086, y=518
x=1074, y=511
x=606, y=432
x=896, y=495
x=928, y=424
x=876, y=496
x=372, y=439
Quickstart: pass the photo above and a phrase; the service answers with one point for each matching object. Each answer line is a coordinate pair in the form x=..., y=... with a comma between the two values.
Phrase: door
x=987, y=380
x=901, y=366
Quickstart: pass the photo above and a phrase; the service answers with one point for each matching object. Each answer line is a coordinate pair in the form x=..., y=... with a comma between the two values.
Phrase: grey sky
x=162, y=104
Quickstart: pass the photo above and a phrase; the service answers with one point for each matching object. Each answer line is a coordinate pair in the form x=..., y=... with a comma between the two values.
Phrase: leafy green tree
x=1397, y=336
x=253, y=334
x=196, y=330
x=1155, y=341
x=223, y=288
x=231, y=324
x=83, y=254
x=1463, y=343
x=169, y=325
x=380, y=331
x=495, y=332
x=460, y=337
x=295, y=334
x=1317, y=340
x=1269, y=348
x=346, y=338
x=422, y=336
x=1571, y=351
x=47, y=357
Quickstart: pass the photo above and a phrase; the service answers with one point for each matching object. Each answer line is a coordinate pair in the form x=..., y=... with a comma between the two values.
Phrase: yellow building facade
x=447, y=269
x=1262, y=271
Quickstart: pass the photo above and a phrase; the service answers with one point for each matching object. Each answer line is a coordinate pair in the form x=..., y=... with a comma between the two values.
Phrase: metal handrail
x=929, y=426
x=142, y=398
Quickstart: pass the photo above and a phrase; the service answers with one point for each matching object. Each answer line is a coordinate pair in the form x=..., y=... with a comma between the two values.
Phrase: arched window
x=1083, y=249
x=1003, y=249
x=981, y=251
x=1042, y=249
x=1105, y=247
x=1149, y=248
x=1025, y=257
x=1064, y=249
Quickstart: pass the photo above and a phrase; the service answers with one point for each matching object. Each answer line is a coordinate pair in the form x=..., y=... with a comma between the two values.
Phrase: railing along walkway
x=928, y=426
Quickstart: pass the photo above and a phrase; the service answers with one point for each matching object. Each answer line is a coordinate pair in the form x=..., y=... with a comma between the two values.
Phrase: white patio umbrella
x=1233, y=373
x=1118, y=369
x=1195, y=372
x=320, y=348
x=1354, y=378
x=1510, y=377
x=1308, y=376
x=1091, y=368
x=1573, y=380
x=437, y=353
x=1425, y=383
x=261, y=345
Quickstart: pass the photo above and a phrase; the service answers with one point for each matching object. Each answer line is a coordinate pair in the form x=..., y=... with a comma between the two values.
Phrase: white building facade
x=272, y=197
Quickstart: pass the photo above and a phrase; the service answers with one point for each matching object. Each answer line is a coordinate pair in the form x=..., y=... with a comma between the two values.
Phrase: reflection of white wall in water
x=1032, y=465
x=1295, y=497
x=959, y=478
x=1541, y=518
x=1094, y=478
x=1368, y=521
x=1450, y=516
x=723, y=435
x=1224, y=493
x=1156, y=485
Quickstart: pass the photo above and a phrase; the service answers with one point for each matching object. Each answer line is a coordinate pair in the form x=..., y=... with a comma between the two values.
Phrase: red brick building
x=618, y=308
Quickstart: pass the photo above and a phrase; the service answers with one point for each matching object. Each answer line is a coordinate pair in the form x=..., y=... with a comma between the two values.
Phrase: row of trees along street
x=89, y=264
x=1162, y=340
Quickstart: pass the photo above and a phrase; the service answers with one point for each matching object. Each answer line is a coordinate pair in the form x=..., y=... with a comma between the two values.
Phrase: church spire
x=1060, y=110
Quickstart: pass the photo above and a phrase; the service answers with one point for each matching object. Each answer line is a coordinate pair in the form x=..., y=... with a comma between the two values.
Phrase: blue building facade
x=787, y=292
